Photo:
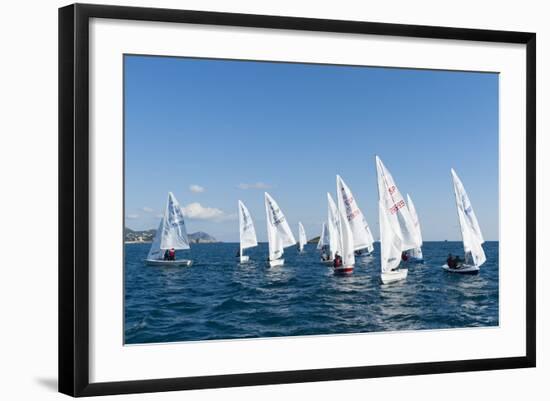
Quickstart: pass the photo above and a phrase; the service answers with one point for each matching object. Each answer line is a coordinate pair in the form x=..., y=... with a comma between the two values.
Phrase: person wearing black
x=166, y=254
x=451, y=262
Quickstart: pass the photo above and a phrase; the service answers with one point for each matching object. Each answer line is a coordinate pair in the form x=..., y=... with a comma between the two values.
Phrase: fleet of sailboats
x=345, y=235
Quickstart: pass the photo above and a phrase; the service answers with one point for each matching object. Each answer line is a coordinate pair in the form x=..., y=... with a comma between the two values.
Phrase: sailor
x=172, y=254
x=337, y=260
x=166, y=254
x=404, y=256
x=451, y=262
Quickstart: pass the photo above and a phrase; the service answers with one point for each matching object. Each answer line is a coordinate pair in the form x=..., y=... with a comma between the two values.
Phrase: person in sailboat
x=324, y=254
x=166, y=254
x=172, y=254
x=454, y=262
x=404, y=256
x=337, y=260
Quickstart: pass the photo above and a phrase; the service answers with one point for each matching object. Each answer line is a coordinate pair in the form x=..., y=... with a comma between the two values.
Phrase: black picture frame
x=74, y=198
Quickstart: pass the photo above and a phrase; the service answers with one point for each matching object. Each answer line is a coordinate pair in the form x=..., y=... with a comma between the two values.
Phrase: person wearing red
x=172, y=254
x=337, y=260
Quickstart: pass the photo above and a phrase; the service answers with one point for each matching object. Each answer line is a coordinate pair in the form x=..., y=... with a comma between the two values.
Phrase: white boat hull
x=179, y=262
x=464, y=269
x=276, y=262
x=327, y=262
x=393, y=276
x=244, y=259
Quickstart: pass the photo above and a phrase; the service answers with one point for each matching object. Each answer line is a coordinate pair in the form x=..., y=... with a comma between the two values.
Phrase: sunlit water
x=217, y=298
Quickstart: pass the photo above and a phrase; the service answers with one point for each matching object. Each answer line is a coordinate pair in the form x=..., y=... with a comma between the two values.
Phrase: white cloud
x=198, y=212
x=257, y=185
x=196, y=188
x=132, y=216
x=147, y=209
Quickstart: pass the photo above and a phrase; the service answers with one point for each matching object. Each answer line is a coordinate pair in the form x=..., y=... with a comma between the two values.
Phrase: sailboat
x=415, y=255
x=472, y=239
x=247, y=233
x=362, y=236
x=279, y=234
x=302, y=239
x=324, y=245
x=333, y=230
x=343, y=241
x=171, y=234
x=397, y=231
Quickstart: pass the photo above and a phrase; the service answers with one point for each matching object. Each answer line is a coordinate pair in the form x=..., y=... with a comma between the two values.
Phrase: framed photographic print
x=252, y=199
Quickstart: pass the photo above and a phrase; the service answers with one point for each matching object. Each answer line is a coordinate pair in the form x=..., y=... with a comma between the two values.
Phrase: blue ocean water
x=217, y=298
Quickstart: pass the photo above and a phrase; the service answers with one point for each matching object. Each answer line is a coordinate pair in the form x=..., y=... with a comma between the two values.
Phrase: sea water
x=217, y=298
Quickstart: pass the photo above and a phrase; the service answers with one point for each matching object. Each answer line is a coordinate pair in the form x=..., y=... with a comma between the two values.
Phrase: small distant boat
x=341, y=238
x=397, y=231
x=171, y=234
x=415, y=255
x=279, y=234
x=472, y=239
x=362, y=236
x=302, y=239
x=324, y=245
x=247, y=233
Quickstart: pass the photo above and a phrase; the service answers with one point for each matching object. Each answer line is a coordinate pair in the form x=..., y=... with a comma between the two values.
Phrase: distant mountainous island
x=199, y=237
x=314, y=240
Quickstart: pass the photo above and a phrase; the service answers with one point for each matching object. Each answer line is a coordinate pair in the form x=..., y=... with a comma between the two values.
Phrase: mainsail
x=397, y=231
x=246, y=229
x=324, y=238
x=302, y=239
x=333, y=224
x=279, y=234
x=416, y=252
x=362, y=237
x=348, y=252
x=469, y=226
x=171, y=232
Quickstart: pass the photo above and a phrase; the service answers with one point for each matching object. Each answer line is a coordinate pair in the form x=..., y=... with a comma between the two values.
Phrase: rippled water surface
x=217, y=298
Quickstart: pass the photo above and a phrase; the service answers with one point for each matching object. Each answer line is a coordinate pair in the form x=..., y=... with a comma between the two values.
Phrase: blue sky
x=216, y=131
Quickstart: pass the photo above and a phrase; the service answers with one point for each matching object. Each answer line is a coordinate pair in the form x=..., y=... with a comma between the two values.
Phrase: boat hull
x=464, y=269
x=393, y=276
x=343, y=270
x=276, y=262
x=179, y=262
x=327, y=262
x=244, y=259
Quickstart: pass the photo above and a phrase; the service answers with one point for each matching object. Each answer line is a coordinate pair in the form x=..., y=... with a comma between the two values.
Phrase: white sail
x=279, y=234
x=335, y=237
x=397, y=231
x=362, y=237
x=324, y=238
x=246, y=228
x=348, y=251
x=469, y=226
x=171, y=232
x=390, y=243
x=154, y=252
x=415, y=252
x=302, y=239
